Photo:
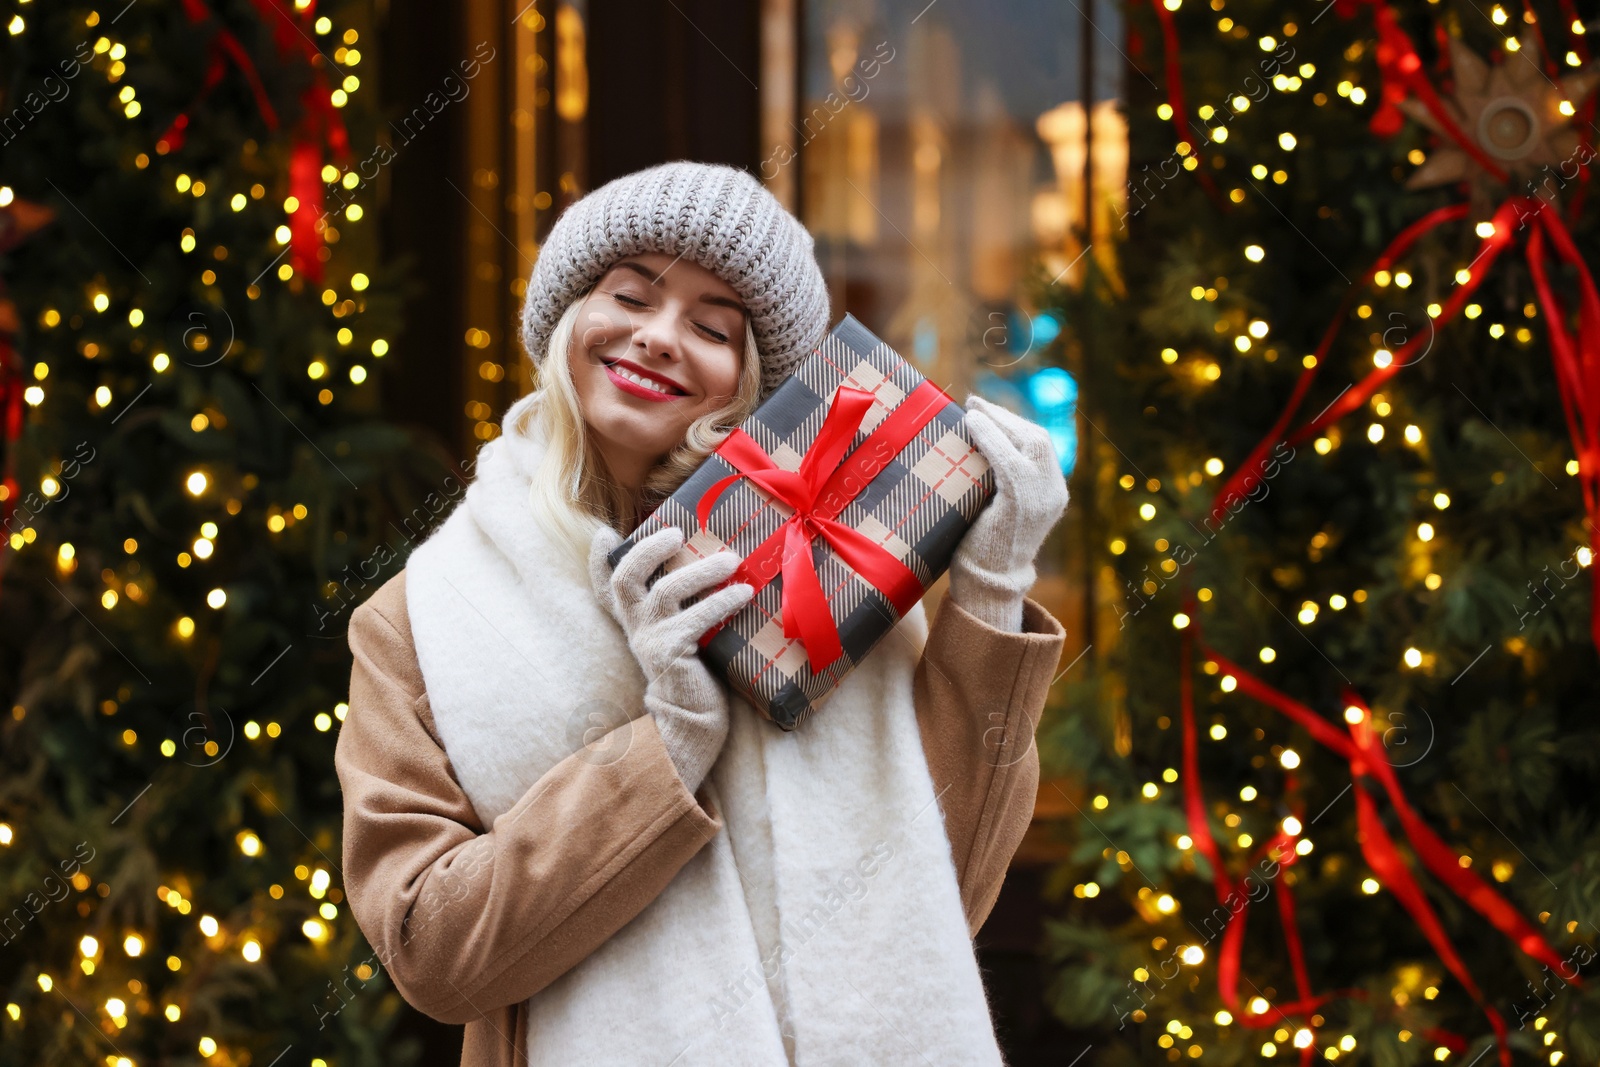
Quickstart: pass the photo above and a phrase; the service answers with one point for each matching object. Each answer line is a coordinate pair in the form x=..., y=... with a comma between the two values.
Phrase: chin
x=656, y=430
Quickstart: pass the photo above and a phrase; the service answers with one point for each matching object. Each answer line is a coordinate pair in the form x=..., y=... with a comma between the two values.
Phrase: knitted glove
x=993, y=565
x=689, y=705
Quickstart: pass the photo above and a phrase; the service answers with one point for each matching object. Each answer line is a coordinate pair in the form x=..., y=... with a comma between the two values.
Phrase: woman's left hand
x=993, y=567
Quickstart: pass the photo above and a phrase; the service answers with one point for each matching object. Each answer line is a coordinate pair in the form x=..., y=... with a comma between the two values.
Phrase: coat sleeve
x=979, y=694
x=468, y=919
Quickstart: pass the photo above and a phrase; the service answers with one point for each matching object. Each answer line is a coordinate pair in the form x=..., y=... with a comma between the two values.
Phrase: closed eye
x=631, y=302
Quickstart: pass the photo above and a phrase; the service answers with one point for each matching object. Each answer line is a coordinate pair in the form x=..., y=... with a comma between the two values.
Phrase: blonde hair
x=572, y=492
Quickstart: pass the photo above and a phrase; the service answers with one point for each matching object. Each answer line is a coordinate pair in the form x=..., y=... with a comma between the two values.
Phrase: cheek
x=583, y=371
x=721, y=376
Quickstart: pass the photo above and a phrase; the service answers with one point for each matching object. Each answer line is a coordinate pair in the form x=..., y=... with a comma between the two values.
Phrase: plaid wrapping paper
x=917, y=507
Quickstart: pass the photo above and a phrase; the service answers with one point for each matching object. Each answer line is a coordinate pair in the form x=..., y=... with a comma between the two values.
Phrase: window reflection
x=945, y=155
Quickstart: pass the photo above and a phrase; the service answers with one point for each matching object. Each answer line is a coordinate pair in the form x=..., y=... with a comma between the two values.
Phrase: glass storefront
x=946, y=154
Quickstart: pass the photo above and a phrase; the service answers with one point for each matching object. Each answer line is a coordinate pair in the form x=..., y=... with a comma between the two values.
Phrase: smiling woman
x=662, y=343
x=661, y=365
x=617, y=859
x=673, y=301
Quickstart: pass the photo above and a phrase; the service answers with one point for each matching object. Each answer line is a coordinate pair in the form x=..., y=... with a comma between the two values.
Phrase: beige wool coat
x=470, y=921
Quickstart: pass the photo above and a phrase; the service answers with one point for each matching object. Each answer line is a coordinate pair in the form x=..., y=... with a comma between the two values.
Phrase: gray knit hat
x=716, y=215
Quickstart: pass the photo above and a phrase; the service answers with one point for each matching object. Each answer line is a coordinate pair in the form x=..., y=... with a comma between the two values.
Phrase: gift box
x=846, y=494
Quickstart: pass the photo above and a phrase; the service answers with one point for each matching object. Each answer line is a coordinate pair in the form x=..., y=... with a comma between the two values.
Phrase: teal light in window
x=1046, y=328
x=1053, y=394
x=1048, y=396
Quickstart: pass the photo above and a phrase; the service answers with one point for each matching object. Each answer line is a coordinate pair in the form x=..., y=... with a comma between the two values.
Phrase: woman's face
x=675, y=325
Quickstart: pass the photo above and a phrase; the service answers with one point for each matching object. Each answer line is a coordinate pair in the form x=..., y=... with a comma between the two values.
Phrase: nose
x=659, y=336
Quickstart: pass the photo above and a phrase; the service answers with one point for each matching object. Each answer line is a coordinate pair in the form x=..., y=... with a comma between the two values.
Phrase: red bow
x=825, y=483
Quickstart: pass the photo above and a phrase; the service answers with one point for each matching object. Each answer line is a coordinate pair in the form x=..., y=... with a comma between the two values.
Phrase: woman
x=560, y=829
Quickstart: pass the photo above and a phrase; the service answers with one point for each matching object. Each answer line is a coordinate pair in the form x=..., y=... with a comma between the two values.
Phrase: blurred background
x=1302, y=292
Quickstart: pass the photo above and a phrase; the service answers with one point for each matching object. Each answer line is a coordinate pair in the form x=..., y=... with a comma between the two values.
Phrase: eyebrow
x=707, y=298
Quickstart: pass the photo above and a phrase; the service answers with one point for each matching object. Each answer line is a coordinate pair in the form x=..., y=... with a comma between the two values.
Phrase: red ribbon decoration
x=1406, y=67
x=1228, y=957
x=1281, y=848
x=1577, y=365
x=18, y=222
x=1367, y=760
x=319, y=125
x=825, y=483
x=12, y=384
x=288, y=34
x=1359, y=394
x=1245, y=477
x=1180, y=113
x=1439, y=857
x=1384, y=859
x=224, y=47
x=1387, y=119
x=1576, y=359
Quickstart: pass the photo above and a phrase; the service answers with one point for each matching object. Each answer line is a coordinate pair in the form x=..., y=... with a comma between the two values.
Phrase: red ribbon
x=1576, y=358
x=289, y=35
x=1180, y=113
x=1406, y=67
x=13, y=401
x=1245, y=477
x=1439, y=857
x=825, y=483
x=320, y=123
x=11, y=389
x=224, y=47
x=1367, y=760
x=1577, y=366
x=1354, y=398
x=1387, y=119
x=1384, y=859
x=1281, y=848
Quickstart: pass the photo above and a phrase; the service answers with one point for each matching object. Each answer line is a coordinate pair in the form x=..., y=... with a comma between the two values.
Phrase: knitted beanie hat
x=716, y=215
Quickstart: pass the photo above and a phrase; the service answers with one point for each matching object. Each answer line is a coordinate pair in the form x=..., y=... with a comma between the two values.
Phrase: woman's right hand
x=688, y=703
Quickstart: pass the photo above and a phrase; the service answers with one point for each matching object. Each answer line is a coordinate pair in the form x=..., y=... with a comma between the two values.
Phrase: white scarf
x=822, y=925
